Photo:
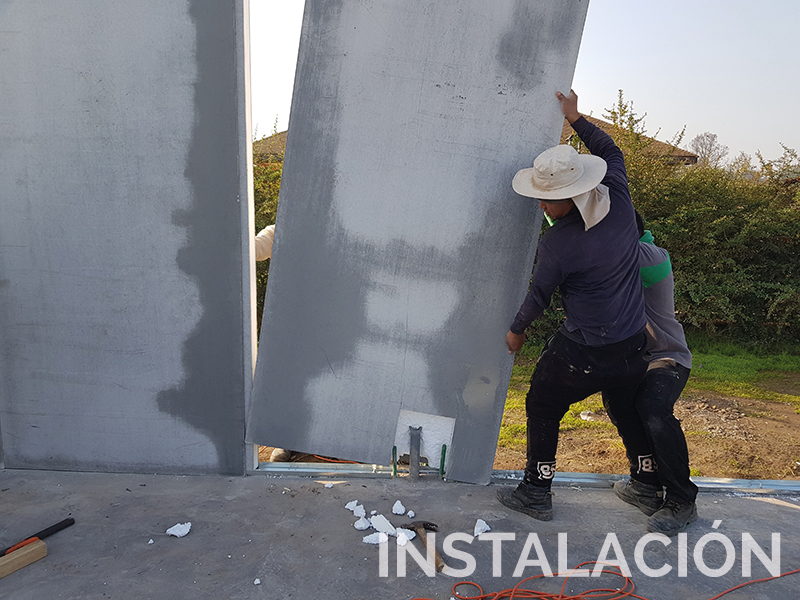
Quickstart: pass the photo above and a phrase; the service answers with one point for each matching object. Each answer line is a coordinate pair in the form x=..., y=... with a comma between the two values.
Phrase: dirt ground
x=727, y=436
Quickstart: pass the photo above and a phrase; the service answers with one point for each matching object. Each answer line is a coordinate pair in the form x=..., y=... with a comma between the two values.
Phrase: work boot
x=672, y=518
x=647, y=498
x=280, y=455
x=534, y=501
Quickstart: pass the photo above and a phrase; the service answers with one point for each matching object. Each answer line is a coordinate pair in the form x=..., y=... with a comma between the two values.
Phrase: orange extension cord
x=626, y=591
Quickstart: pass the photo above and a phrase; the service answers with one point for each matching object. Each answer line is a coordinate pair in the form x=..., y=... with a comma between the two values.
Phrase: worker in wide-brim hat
x=591, y=254
x=562, y=179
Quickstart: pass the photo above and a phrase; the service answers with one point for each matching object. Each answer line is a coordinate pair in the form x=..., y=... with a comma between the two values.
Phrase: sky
x=728, y=67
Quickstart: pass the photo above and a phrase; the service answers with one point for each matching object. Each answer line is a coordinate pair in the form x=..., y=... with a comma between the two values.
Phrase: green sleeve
x=653, y=274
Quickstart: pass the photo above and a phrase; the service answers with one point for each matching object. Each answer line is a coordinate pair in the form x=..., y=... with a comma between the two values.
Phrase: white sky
x=725, y=66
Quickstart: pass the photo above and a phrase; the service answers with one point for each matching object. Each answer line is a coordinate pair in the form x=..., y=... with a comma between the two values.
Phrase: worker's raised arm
x=597, y=141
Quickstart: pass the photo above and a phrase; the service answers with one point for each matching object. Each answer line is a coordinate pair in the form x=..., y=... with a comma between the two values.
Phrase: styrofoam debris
x=375, y=538
x=180, y=529
x=359, y=511
x=402, y=536
x=362, y=524
x=398, y=508
x=411, y=514
x=409, y=533
x=481, y=527
x=373, y=512
x=328, y=485
x=151, y=541
x=257, y=581
x=351, y=505
x=382, y=524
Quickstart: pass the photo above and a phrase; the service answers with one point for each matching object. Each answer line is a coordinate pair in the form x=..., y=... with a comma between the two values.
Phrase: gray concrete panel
x=401, y=253
x=122, y=275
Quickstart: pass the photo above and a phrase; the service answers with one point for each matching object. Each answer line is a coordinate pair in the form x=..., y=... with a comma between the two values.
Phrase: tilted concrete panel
x=401, y=253
x=124, y=322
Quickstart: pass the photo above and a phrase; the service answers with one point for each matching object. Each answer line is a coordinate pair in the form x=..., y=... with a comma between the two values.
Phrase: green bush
x=733, y=234
x=735, y=249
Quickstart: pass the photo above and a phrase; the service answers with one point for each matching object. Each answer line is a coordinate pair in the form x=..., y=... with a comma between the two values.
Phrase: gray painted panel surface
x=401, y=253
x=121, y=263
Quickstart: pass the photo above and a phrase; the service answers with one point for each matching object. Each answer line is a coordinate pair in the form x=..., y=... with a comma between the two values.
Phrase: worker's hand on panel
x=514, y=341
x=569, y=105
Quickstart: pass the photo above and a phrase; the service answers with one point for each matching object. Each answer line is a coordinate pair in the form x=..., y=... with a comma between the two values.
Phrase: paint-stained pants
x=568, y=372
x=648, y=425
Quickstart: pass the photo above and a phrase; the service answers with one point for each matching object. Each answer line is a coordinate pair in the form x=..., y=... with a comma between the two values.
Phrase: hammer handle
x=41, y=535
x=440, y=564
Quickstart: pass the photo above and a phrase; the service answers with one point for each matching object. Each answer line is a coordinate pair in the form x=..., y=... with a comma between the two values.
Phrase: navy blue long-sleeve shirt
x=597, y=271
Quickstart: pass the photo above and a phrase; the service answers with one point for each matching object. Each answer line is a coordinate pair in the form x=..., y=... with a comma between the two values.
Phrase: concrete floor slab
x=295, y=536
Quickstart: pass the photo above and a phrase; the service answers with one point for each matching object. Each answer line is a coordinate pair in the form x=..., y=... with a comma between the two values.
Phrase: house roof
x=660, y=147
x=272, y=146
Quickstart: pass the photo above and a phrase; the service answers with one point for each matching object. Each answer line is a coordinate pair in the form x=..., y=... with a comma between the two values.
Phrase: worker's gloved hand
x=514, y=341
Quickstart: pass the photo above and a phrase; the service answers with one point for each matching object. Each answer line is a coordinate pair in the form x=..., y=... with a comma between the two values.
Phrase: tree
x=784, y=170
x=742, y=167
x=648, y=164
x=710, y=153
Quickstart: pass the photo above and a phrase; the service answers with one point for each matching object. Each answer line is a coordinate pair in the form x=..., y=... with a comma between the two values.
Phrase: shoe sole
x=673, y=532
x=649, y=511
x=541, y=515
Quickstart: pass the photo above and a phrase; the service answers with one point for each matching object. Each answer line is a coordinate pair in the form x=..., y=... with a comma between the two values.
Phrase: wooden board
x=22, y=557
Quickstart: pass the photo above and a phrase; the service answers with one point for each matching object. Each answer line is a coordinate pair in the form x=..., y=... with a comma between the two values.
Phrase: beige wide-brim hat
x=560, y=173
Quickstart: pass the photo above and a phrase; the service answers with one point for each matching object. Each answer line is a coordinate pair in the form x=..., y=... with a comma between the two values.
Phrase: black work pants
x=647, y=425
x=568, y=372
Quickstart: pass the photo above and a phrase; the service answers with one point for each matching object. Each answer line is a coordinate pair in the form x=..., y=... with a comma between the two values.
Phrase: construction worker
x=591, y=254
x=263, y=242
x=669, y=365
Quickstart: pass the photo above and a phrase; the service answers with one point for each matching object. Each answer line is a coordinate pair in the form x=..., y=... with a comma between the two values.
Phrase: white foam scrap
x=328, y=485
x=402, y=537
x=375, y=538
x=398, y=508
x=180, y=529
x=359, y=511
x=257, y=581
x=411, y=514
x=151, y=541
x=481, y=527
x=362, y=524
x=382, y=524
x=409, y=533
x=373, y=512
x=351, y=505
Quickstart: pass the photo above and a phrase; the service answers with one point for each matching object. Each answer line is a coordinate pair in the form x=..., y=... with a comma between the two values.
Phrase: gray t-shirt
x=665, y=337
